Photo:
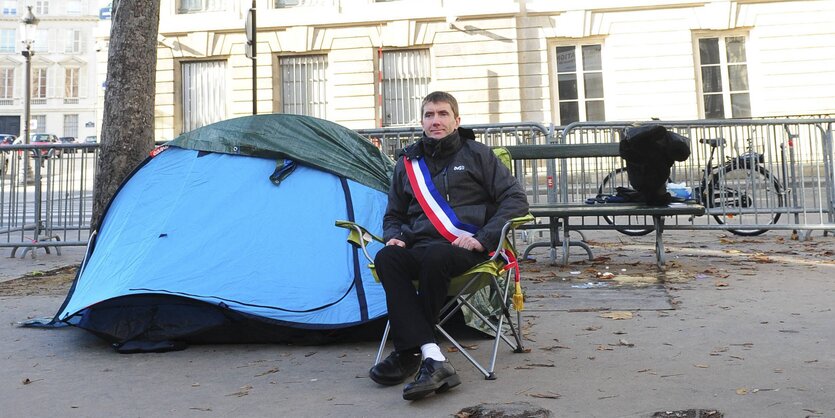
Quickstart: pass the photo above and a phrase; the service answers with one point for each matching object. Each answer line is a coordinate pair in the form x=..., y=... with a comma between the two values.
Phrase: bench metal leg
x=555, y=242
x=659, y=242
x=567, y=243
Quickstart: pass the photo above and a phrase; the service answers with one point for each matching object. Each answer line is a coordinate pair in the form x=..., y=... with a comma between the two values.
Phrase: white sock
x=431, y=350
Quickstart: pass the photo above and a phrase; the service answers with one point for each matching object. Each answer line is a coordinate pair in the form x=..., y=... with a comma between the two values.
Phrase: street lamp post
x=28, y=26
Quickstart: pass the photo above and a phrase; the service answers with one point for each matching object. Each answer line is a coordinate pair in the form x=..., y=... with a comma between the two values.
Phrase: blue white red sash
x=440, y=213
x=436, y=208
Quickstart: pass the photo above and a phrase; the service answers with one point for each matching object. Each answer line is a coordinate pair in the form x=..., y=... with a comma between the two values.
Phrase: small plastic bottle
x=679, y=190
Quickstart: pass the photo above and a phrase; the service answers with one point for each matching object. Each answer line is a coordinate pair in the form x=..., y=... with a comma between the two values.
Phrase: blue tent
x=227, y=235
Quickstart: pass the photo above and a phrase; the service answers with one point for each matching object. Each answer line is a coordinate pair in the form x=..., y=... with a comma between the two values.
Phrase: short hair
x=440, y=97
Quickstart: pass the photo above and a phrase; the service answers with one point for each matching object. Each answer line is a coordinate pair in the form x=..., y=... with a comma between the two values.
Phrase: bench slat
x=549, y=151
x=613, y=209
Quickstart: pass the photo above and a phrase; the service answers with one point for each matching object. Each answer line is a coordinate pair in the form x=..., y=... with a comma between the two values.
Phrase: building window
x=74, y=7
x=724, y=77
x=7, y=40
x=199, y=6
x=41, y=7
x=281, y=4
x=204, y=93
x=39, y=123
x=41, y=43
x=9, y=7
x=73, y=41
x=72, y=77
x=405, y=82
x=71, y=125
x=580, y=83
x=303, y=85
x=39, y=85
x=6, y=85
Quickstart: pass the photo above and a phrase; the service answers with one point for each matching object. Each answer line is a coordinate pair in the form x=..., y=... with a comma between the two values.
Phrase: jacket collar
x=445, y=146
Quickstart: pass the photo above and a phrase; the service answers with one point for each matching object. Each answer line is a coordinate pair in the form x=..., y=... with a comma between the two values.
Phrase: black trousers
x=413, y=314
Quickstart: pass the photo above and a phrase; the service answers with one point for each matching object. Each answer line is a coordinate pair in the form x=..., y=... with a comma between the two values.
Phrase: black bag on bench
x=650, y=152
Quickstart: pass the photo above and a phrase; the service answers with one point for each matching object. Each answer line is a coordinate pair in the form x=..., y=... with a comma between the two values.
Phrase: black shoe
x=434, y=376
x=395, y=368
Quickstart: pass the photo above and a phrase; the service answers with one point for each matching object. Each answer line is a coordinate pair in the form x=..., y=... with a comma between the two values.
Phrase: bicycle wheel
x=744, y=196
x=636, y=224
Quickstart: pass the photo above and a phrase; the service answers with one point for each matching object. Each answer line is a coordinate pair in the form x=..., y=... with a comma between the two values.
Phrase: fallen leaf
x=554, y=347
x=541, y=365
x=454, y=349
x=742, y=391
x=547, y=395
x=701, y=366
x=625, y=343
x=593, y=328
x=760, y=258
x=616, y=315
x=270, y=371
x=243, y=392
x=722, y=284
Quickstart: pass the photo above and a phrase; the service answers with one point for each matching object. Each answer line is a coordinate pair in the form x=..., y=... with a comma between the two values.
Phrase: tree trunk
x=127, y=134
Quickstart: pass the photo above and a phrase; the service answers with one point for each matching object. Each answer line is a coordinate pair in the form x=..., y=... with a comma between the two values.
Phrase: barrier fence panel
x=537, y=177
x=46, y=196
x=751, y=175
x=766, y=174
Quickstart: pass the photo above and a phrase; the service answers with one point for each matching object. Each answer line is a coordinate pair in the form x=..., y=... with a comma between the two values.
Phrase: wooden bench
x=559, y=214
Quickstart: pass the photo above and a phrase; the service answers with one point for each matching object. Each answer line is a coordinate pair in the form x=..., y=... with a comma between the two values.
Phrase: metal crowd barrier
x=533, y=175
x=46, y=196
x=787, y=185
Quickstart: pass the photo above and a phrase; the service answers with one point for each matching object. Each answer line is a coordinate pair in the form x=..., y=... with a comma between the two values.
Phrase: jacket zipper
x=446, y=185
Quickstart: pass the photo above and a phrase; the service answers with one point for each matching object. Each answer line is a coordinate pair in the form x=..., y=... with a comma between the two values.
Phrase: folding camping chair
x=493, y=274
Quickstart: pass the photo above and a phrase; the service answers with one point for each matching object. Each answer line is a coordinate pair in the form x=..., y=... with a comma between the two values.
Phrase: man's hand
x=397, y=242
x=468, y=243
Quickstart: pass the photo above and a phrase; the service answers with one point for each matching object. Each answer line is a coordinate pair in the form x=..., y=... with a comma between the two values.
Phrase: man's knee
x=388, y=253
x=438, y=253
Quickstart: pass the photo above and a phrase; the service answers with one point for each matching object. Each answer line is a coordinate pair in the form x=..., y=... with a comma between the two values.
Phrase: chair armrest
x=509, y=226
x=517, y=222
x=359, y=236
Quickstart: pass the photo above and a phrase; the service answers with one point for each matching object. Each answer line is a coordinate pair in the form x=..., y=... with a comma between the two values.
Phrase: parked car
x=46, y=139
x=91, y=139
x=68, y=140
x=5, y=140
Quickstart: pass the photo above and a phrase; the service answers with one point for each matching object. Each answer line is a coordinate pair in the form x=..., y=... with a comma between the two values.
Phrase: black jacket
x=478, y=187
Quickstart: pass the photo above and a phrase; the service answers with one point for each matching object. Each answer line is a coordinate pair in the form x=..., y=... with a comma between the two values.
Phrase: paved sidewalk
x=12, y=268
x=751, y=335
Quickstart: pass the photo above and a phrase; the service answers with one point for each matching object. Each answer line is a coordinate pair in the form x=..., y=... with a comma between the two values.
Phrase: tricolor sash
x=436, y=208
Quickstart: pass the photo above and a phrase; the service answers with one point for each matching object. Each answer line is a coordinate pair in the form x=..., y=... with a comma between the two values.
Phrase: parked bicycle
x=737, y=191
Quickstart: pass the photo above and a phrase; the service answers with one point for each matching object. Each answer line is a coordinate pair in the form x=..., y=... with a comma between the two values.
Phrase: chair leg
x=382, y=343
x=515, y=330
x=460, y=301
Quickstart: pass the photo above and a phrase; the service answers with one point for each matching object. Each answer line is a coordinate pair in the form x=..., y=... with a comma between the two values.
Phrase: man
x=449, y=198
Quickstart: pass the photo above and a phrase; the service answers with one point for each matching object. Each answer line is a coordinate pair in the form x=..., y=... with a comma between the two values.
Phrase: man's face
x=438, y=120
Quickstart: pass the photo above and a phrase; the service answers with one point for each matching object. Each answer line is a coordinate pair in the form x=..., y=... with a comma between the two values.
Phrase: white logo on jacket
x=458, y=168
